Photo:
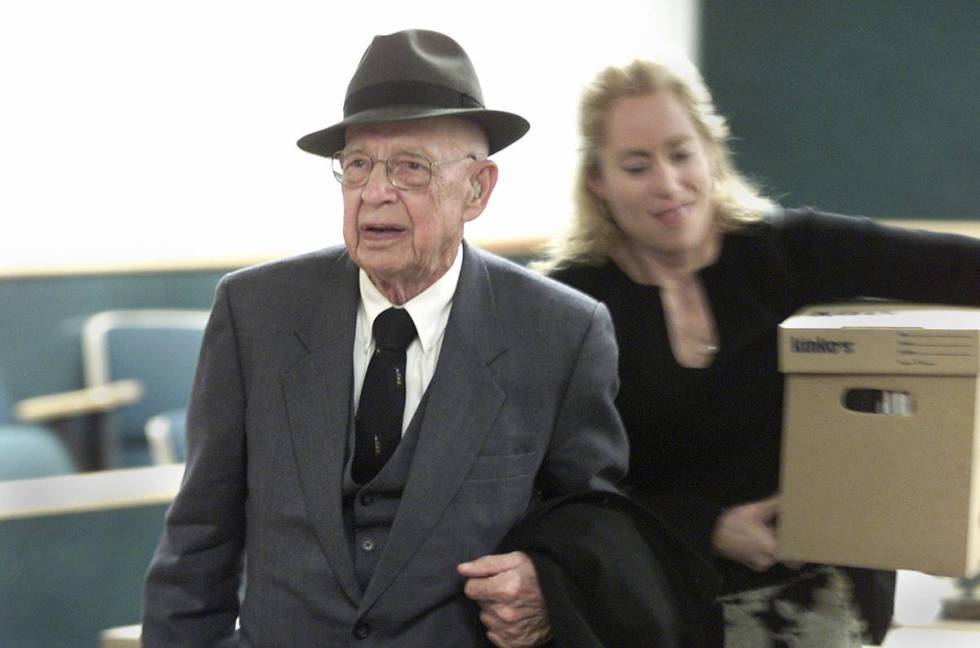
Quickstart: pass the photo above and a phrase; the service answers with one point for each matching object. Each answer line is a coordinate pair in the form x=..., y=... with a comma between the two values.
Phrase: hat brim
x=502, y=128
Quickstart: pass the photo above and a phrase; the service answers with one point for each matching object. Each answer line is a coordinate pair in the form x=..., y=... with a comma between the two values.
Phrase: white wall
x=162, y=129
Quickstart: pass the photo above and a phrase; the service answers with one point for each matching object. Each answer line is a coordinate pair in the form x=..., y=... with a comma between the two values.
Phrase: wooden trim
x=147, y=266
x=523, y=247
x=506, y=247
x=121, y=637
x=964, y=227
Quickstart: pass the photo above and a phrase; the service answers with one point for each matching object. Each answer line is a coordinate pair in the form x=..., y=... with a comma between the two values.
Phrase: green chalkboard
x=863, y=107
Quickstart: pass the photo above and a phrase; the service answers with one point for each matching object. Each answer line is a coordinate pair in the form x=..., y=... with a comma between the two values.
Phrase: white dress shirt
x=429, y=311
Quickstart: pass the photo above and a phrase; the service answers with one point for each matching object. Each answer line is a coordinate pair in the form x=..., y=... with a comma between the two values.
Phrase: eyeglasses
x=404, y=170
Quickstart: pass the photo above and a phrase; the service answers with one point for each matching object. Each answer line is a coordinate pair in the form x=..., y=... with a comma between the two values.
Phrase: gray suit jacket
x=521, y=406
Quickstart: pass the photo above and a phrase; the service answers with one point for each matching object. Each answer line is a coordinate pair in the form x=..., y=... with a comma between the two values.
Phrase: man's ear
x=482, y=182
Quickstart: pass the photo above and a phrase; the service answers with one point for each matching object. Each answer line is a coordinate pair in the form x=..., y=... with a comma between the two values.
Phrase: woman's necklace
x=707, y=347
x=702, y=340
x=688, y=314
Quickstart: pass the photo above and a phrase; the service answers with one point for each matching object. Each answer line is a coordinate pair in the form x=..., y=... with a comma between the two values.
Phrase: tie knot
x=393, y=330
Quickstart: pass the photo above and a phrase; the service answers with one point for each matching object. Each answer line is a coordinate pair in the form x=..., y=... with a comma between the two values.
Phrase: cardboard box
x=880, y=433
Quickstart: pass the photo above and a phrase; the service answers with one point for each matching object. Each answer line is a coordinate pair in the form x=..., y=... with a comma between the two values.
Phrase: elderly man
x=369, y=421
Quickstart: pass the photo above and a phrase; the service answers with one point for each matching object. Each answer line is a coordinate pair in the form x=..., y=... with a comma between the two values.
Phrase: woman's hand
x=747, y=534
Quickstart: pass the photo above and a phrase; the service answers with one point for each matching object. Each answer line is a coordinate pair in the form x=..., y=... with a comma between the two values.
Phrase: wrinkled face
x=409, y=237
x=655, y=176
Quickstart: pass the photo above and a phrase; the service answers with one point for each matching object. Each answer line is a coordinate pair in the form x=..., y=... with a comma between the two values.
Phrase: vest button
x=367, y=499
x=362, y=630
x=367, y=544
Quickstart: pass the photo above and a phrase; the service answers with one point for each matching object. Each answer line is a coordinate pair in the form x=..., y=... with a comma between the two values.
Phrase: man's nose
x=378, y=188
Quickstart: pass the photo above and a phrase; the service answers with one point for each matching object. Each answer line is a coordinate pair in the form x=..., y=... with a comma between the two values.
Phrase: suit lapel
x=318, y=393
x=462, y=402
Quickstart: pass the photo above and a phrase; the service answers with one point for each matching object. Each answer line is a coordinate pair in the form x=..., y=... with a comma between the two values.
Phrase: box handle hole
x=879, y=401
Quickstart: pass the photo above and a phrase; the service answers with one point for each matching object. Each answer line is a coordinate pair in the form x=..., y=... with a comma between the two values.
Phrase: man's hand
x=511, y=604
x=746, y=533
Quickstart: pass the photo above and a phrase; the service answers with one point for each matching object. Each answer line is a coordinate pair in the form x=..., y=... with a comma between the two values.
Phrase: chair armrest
x=162, y=432
x=81, y=402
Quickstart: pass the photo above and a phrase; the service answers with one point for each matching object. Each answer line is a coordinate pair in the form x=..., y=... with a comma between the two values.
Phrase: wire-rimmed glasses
x=404, y=170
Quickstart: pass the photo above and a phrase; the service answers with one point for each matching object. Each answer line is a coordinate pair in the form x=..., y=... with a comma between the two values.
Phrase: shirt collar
x=428, y=310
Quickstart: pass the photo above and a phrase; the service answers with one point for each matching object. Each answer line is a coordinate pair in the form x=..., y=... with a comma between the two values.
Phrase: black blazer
x=614, y=575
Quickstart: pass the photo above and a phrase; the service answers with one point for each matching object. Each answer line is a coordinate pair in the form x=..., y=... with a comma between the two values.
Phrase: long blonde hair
x=592, y=231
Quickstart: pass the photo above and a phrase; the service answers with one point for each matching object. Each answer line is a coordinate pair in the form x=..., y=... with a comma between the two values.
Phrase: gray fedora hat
x=415, y=74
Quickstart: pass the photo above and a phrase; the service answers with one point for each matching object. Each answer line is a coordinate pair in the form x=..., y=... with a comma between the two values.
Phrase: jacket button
x=368, y=545
x=367, y=499
x=362, y=630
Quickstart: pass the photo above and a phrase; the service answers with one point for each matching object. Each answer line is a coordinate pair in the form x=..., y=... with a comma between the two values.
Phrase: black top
x=705, y=439
x=623, y=578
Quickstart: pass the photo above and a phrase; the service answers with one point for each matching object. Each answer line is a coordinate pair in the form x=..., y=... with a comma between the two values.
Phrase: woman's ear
x=596, y=183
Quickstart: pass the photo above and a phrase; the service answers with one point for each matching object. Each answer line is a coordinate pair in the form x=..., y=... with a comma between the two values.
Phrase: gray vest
x=369, y=510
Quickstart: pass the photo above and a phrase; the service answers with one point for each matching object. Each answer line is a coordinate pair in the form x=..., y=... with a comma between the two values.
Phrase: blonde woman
x=698, y=269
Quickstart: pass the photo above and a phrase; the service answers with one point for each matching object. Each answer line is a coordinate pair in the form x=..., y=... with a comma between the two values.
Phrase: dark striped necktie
x=378, y=424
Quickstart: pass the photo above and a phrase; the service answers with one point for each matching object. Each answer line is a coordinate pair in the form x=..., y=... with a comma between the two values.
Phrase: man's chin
x=392, y=274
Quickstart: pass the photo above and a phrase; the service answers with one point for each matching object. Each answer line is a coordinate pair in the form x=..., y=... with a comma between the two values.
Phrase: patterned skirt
x=815, y=610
